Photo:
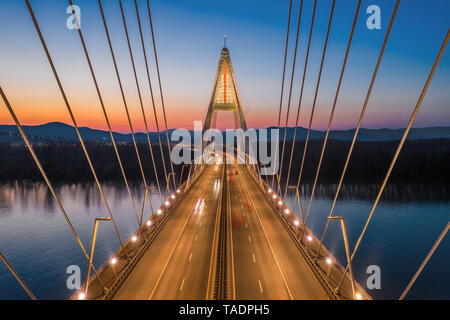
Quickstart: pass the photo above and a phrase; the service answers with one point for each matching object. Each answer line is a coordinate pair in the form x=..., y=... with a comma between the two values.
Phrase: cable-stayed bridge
x=225, y=232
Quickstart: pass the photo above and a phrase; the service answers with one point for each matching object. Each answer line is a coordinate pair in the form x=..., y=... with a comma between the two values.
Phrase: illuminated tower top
x=225, y=95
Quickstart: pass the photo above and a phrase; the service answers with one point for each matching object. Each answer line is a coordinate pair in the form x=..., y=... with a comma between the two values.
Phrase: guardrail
x=114, y=272
x=221, y=272
x=326, y=268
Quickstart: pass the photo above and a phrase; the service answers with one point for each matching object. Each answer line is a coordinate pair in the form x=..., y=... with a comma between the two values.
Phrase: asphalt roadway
x=177, y=263
x=265, y=262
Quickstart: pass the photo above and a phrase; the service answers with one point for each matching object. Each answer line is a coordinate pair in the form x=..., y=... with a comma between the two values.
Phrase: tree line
x=421, y=161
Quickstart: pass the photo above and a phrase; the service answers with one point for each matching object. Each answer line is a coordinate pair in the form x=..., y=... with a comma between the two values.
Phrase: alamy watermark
x=253, y=146
x=74, y=19
x=374, y=20
x=374, y=280
x=73, y=281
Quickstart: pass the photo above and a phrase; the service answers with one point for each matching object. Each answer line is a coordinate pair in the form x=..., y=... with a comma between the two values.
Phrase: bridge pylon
x=225, y=94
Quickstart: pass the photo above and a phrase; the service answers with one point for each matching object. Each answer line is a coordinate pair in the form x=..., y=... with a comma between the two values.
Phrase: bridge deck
x=266, y=264
x=223, y=227
x=176, y=265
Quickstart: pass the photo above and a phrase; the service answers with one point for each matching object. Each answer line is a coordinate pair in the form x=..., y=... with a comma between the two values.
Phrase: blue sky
x=189, y=37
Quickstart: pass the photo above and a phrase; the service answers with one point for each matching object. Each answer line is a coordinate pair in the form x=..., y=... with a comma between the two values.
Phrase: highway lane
x=193, y=252
x=257, y=275
x=266, y=263
x=177, y=263
x=297, y=276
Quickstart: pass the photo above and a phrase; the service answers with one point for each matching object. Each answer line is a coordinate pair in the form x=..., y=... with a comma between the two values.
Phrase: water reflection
x=405, y=224
x=35, y=195
x=393, y=193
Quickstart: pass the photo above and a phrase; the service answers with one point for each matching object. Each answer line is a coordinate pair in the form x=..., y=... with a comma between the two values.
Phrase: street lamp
x=347, y=252
x=329, y=262
x=181, y=175
x=297, y=194
x=168, y=182
x=82, y=295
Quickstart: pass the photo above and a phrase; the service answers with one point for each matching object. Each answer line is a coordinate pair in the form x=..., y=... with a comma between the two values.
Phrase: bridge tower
x=225, y=95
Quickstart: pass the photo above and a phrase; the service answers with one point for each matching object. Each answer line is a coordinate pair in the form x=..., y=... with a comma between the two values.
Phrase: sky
x=189, y=38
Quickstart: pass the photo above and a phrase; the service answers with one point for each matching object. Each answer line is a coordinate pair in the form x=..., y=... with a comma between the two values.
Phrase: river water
x=36, y=240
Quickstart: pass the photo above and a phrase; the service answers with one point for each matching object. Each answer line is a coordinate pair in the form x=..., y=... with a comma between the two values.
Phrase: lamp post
x=182, y=170
x=297, y=194
x=347, y=252
x=168, y=183
x=91, y=252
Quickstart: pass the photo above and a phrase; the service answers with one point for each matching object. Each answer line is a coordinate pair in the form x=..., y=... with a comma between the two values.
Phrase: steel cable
x=74, y=122
x=160, y=91
x=401, y=143
x=140, y=101
x=119, y=80
x=315, y=98
x=151, y=92
x=300, y=100
x=330, y=120
x=369, y=91
x=290, y=93
x=282, y=81
x=47, y=180
x=105, y=114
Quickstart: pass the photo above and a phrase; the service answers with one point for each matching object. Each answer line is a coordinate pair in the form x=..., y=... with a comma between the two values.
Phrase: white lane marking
x=173, y=249
x=249, y=239
x=232, y=244
x=254, y=258
x=260, y=286
x=244, y=184
x=190, y=257
x=182, y=284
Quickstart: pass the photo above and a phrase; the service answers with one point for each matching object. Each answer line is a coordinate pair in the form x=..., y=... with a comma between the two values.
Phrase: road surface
x=267, y=264
x=177, y=263
x=265, y=261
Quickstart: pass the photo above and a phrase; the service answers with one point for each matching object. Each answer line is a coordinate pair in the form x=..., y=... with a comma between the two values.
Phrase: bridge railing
x=115, y=271
x=325, y=266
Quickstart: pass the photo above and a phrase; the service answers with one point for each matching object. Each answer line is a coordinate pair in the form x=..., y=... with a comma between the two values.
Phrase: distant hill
x=383, y=134
x=57, y=131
